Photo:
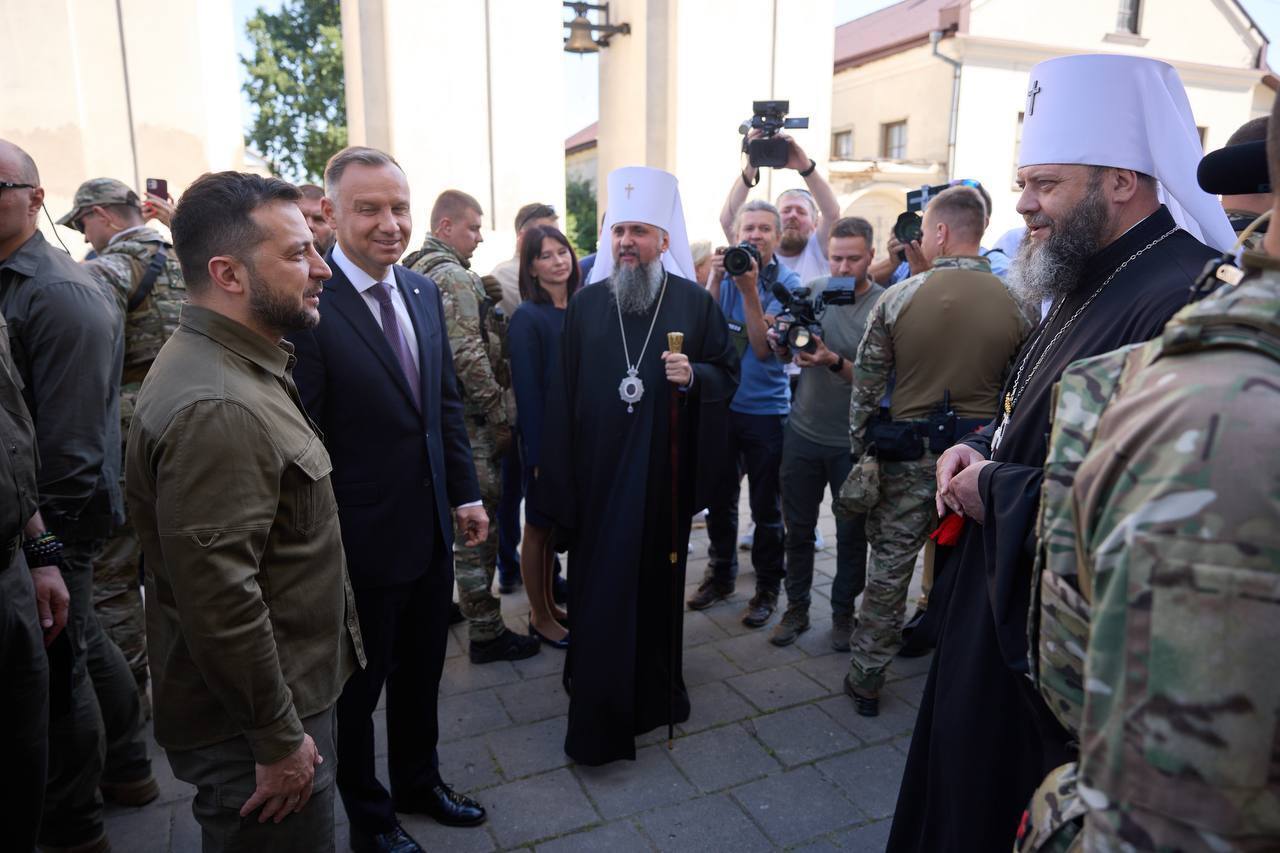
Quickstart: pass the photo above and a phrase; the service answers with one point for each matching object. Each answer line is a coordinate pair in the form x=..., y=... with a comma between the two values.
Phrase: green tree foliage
x=582, y=232
x=296, y=87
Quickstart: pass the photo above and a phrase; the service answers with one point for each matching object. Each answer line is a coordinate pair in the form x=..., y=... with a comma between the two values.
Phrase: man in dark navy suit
x=377, y=377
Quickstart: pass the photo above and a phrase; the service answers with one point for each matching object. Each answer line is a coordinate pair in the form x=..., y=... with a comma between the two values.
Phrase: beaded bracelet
x=44, y=550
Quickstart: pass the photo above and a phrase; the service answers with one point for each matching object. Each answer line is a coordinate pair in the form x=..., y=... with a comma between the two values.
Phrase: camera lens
x=799, y=337
x=736, y=261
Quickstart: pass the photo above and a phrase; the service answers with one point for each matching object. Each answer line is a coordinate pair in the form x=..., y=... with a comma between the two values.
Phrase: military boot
x=709, y=592
x=865, y=702
x=794, y=622
x=759, y=609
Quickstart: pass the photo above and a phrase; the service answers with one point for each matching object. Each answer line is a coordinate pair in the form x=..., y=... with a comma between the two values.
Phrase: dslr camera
x=798, y=325
x=769, y=117
x=737, y=259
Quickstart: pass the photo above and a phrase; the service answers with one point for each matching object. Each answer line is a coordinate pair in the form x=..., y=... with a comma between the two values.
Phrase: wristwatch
x=838, y=366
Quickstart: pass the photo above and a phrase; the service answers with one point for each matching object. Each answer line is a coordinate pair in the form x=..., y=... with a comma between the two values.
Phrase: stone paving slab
x=772, y=757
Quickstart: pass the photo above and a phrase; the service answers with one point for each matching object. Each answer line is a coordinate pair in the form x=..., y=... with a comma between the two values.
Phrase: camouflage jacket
x=477, y=332
x=121, y=267
x=1156, y=600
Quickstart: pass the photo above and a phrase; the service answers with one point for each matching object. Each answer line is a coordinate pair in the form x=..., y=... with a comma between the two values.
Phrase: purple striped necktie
x=391, y=328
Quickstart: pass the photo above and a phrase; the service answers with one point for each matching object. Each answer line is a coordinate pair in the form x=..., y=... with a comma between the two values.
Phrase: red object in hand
x=948, y=532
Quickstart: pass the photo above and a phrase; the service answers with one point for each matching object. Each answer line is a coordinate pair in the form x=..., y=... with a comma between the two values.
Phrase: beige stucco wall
x=724, y=54
x=64, y=88
x=913, y=85
x=465, y=96
x=1213, y=32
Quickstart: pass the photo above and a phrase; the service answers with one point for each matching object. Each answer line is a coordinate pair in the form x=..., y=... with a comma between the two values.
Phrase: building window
x=842, y=145
x=1127, y=16
x=893, y=140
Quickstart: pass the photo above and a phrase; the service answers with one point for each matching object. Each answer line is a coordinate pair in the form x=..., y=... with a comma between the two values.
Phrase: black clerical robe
x=983, y=738
x=609, y=489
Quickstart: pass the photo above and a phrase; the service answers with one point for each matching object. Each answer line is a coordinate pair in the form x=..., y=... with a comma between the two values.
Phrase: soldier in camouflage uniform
x=477, y=335
x=140, y=269
x=948, y=334
x=1157, y=585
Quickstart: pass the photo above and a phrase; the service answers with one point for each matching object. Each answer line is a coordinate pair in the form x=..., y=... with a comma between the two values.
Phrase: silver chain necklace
x=1019, y=386
x=631, y=389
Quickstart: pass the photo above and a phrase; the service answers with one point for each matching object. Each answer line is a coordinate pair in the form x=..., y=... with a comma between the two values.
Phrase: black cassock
x=983, y=738
x=608, y=487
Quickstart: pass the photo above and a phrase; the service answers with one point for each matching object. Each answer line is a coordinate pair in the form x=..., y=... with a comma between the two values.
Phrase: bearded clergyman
x=629, y=444
x=1117, y=234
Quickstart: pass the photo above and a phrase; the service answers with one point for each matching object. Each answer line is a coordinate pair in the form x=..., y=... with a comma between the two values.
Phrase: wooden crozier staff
x=675, y=344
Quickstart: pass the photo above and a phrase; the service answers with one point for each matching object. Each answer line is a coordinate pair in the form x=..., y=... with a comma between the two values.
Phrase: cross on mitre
x=1031, y=98
x=628, y=188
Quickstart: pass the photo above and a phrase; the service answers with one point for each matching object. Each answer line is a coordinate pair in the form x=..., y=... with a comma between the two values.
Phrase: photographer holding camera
x=742, y=283
x=806, y=215
x=815, y=448
x=948, y=334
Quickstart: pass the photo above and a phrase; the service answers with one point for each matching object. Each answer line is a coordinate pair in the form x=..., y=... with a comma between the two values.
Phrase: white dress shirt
x=363, y=283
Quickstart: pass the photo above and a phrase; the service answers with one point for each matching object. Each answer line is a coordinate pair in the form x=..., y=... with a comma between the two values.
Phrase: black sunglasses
x=10, y=185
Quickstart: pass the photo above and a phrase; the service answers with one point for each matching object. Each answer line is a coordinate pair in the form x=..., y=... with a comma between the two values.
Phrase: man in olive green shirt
x=251, y=623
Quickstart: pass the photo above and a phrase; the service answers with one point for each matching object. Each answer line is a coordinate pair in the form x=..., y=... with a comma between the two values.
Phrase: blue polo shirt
x=763, y=388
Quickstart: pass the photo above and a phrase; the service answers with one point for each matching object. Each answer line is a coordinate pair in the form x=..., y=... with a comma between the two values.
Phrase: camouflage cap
x=103, y=191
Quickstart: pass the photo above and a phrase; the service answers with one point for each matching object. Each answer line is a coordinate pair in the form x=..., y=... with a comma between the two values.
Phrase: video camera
x=909, y=226
x=769, y=117
x=798, y=325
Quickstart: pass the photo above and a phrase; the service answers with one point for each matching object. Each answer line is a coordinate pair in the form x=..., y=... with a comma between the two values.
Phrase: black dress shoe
x=395, y=841
x=455, y=614
x=445, y=805
x=506, y=646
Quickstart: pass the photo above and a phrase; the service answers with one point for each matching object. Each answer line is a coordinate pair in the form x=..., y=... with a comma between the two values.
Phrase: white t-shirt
x=809, y=264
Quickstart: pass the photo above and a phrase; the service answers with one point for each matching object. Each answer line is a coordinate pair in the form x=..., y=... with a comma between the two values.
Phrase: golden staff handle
x=675, y=341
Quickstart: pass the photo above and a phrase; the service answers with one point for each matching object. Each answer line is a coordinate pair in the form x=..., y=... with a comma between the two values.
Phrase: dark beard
x=273, y=312
x=792, y=242
x=1052, y=270
x=635, y=287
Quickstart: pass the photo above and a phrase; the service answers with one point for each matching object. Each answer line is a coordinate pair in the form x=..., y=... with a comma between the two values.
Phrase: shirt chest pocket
x=313, y=501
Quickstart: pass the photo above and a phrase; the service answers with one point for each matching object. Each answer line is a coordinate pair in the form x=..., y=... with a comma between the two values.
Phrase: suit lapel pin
x=415, y=290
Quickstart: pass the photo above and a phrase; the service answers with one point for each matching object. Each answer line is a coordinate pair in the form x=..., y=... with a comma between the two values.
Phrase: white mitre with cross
x=651, y=196
x=1126, y=112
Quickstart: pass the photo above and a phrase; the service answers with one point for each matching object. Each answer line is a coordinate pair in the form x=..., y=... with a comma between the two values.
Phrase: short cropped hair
x=27, y=171
x=213, y=218
x=451, y=204
x=804, y=194
x=700, y=250
x=853, y=226
x=1253, y=130
x=534, y=211
x=757, y=205
x=311, y=191
x=339, y=162
x=963, y=211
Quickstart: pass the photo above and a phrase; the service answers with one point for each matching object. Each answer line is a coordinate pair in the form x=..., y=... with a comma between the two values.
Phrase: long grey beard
x=1053, y=270
x=635, y=287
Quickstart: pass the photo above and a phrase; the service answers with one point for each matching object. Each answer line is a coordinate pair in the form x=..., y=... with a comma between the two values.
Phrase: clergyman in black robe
x=983, y=738
x=609, y=490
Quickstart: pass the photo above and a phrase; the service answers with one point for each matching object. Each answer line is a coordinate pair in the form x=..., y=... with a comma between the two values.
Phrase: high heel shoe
x=555, y=644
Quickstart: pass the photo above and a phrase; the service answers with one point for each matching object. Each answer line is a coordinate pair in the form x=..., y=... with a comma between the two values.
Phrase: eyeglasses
x=10, y=185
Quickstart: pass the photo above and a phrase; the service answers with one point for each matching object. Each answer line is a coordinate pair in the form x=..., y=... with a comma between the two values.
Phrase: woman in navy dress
x=548, y=277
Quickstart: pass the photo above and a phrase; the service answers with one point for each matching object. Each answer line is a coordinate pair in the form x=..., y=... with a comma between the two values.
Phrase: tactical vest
x=1061, y=592
x=1058, y=623
x=152, y=311
x=493, y=320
